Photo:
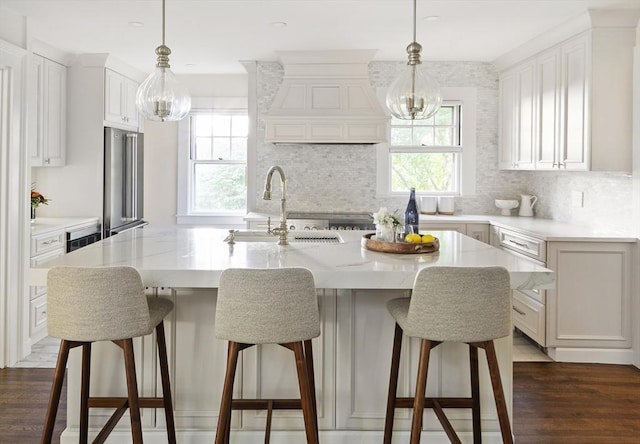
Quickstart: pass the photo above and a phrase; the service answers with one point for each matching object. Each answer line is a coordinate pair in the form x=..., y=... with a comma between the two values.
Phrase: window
x=425, y=153
x=436, y=155
x=213, y=159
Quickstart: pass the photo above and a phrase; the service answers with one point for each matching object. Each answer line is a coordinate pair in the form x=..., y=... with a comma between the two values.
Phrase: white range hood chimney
x=326, y=97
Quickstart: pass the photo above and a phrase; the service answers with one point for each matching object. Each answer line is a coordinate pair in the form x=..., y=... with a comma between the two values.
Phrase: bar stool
x=268, y=306
x=452, y=304
x=87, y=305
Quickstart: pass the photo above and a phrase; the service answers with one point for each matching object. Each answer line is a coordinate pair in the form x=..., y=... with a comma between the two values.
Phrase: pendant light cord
x=414, y=20
x=163, y=23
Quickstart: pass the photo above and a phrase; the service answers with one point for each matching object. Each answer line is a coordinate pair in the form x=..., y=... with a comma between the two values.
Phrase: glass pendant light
x=161, y=97
x=414, y=94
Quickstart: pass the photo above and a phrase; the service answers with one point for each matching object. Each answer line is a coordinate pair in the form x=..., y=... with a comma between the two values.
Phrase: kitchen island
x=352, y=355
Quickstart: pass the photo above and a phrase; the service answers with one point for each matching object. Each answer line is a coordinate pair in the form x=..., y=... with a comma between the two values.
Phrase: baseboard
x=591, y=355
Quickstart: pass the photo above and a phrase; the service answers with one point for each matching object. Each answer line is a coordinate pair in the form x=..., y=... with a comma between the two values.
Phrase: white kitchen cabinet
x=44, y=247
x=517, y=112
x=582, y=104
x=47, y=118
x=120, y=100
x=479, y=231
x=590, y=306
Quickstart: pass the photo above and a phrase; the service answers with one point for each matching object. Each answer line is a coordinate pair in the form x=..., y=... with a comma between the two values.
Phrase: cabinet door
x=575, y=154
x=591, y=303
x=508, y=121
x=131, y=111
x=524, y=155
x=35, y=111
x=113, y=92
x=548, y=113
x=479, y=232
x=55, y=120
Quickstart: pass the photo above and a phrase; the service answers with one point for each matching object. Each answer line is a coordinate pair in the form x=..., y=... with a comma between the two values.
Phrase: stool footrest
x=266, y=404
x=445, y=403
x=145, y=403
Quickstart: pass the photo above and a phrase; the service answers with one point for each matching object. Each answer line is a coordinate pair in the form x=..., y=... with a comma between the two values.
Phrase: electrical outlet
x=577, y=199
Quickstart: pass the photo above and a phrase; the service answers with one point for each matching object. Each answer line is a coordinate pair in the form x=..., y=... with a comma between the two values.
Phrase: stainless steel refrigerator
x=123, y=181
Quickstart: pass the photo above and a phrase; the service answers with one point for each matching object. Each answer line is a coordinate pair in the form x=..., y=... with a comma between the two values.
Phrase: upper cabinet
x=120, y=100
x=571, y=105
x=47, y=110
x=517, y=106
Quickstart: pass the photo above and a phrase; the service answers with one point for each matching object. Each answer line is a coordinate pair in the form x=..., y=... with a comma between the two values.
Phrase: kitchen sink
x=294, y=237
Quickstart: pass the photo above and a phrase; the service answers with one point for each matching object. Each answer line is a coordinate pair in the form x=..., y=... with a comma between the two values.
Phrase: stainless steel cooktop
x=301, y=220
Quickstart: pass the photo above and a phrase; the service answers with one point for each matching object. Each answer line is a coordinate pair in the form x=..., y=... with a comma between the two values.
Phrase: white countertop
x=175, y=256
x=545, y=229
x=44, y=225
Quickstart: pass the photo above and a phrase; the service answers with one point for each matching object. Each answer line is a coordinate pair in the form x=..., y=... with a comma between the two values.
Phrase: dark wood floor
x=553, y=403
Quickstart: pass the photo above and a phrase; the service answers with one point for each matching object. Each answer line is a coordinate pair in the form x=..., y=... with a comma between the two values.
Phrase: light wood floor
x=553, y=403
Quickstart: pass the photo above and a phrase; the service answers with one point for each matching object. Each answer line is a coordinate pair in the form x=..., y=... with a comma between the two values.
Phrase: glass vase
x=33, y=215
x=385, y=233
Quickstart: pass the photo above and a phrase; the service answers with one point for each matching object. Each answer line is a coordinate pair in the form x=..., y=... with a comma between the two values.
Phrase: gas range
x=298, y=220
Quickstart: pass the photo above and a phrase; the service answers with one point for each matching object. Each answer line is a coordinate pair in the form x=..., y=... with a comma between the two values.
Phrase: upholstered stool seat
x=471, y=305
x=268, y=306
x=91, y=304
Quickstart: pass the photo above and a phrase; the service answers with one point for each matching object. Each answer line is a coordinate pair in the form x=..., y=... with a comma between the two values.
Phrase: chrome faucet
x=281, y=231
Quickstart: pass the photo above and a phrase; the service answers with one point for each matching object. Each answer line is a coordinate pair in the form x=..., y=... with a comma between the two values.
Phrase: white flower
x=383, y=217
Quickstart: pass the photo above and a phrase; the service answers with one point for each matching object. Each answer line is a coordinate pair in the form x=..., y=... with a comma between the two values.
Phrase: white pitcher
x=527, y=202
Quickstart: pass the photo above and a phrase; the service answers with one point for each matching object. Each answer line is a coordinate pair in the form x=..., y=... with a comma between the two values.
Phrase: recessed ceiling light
x=136, y=24
x=431, y=18
x=278, y=25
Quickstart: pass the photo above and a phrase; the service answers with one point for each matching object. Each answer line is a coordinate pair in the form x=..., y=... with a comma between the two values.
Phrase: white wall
x=13, y=28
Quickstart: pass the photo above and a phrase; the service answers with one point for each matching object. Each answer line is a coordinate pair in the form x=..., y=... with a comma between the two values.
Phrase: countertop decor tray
x=370, y=243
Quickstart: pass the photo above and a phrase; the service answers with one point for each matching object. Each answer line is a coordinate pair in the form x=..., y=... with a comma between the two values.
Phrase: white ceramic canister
x=446, y=205
x=429, y=204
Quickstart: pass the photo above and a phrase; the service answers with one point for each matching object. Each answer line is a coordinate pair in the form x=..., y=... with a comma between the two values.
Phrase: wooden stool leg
x=421, y=388
x=56, y=390
x=498, y=393
x=224, y=418
x=84, y=393
x=475, y=394
x=393, y=385
x=166, y=383
x=308, y=354
x=305, y=394
x=132, y=390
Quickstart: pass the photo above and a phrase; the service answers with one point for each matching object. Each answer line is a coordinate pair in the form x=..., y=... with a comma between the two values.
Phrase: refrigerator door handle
x=130, y=197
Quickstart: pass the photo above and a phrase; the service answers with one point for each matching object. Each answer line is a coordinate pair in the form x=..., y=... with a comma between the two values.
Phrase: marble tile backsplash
x=343, y=177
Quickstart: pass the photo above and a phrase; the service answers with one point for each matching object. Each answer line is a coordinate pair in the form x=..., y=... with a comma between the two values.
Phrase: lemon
x=413, y=238
x=427, y=239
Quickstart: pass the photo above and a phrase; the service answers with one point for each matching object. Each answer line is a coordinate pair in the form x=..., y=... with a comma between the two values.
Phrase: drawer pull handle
x=49, y=242
x=519, y=244
x=520, y=312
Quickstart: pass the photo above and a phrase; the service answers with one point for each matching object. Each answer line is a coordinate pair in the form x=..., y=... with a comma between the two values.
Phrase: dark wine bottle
x=411, y=214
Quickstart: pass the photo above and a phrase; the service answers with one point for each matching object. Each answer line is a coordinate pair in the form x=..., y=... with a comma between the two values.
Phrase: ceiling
x=211, y=36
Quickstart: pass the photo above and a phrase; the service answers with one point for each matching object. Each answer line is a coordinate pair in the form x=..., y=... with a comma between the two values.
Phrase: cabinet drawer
x=529, y=246
x=38, y=317
x=47, y=242
x=34, y=292
x=529, y=317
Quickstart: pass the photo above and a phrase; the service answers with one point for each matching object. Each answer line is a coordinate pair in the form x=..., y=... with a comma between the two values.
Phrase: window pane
x=401, y=136
x=221, y=148
x=444, y=116
x=395, y=121
x=221, y=125
x=444, y=136
x=240, y=126
x=219, y=188
x=423, y=136
x=203, y=148
x=239, y=148
x=424, y=171
x=202, y=125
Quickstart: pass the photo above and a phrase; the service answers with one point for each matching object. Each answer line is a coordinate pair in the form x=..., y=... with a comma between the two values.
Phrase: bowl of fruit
x=413, y=243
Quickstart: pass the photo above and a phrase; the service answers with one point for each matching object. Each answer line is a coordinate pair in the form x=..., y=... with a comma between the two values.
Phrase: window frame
x=466, y=97
x=186, y=214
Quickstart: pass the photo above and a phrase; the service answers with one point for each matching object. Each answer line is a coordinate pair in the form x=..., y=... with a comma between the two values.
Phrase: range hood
x=326, y=97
